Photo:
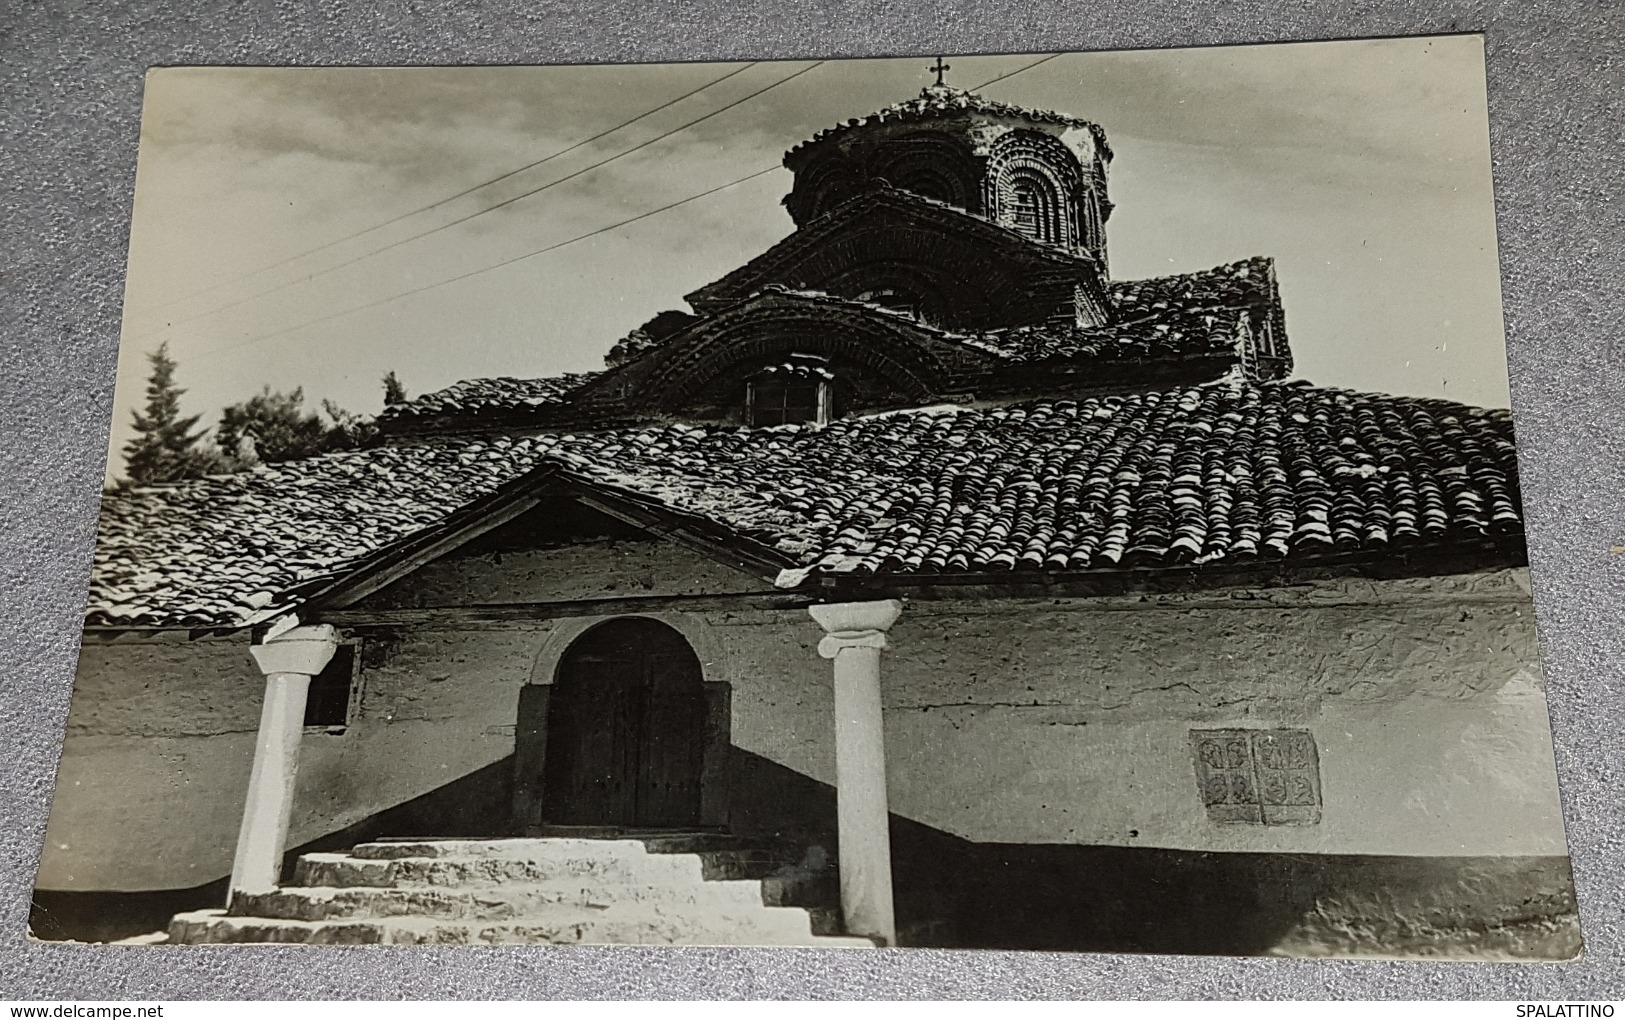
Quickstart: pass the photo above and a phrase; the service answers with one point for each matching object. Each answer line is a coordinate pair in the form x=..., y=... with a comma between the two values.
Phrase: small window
x=1034, y=208
x=786, y=401
x=1266, y=777
x=327, y=706
x=1025, y=207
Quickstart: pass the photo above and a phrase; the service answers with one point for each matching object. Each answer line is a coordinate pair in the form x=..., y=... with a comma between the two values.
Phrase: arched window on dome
x=1033, y=207
x=1033, y=187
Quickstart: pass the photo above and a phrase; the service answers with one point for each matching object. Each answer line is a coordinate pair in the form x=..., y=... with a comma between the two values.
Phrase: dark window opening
x=1033, y=210
x=328, y=703
x=933, y=186
x=788, y=401
x=1025, y=195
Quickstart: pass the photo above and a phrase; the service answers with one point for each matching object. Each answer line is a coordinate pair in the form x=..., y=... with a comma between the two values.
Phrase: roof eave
x=1392, y=562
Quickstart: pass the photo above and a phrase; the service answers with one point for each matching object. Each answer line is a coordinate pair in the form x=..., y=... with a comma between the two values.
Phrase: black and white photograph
x=1049, y=501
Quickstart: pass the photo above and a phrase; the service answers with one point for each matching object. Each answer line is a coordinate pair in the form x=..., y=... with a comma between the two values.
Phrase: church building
x=916, y=583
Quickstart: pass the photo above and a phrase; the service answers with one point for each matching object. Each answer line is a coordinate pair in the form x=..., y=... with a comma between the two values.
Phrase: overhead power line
x=569, y=241
x=498, y=265
x=461, y=194
x=491, y=208
x=1012, y=74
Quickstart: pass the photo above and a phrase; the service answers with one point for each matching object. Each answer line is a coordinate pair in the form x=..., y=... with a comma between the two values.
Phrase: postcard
x=1048, y=501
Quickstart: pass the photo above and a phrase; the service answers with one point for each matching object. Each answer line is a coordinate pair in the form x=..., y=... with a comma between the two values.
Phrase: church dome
x=1038, y=172
x=947, y=101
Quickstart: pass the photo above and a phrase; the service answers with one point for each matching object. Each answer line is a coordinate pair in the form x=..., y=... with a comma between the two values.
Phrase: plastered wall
x=602, y=569
x=1058, y=722
x=1069, y=722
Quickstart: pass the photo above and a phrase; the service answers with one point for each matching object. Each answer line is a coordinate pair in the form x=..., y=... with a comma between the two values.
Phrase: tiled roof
x=650, y=334
x=1156, y=334
x=1169, y=334
x=232, y=549
x=1246, y=284
x=803, y=368
x=1159, y=334
x=773, y=266
x=946, y=101
x=472, y=396
x=1223, y=472
x=630, y=346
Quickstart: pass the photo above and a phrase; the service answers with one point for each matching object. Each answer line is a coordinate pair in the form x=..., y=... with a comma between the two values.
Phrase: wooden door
x=625, y=729
x=672, y=744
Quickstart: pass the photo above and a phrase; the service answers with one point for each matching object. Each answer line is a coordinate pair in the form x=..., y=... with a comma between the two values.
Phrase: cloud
x=1363, y=166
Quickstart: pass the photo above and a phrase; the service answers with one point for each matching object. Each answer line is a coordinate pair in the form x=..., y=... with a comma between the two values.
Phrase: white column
x=856, y=634
x=288, y=661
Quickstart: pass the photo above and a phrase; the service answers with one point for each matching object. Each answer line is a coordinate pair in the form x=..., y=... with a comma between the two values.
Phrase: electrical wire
x=488, y=209
x=498, y=265
x=580, y=237
x=461, y=194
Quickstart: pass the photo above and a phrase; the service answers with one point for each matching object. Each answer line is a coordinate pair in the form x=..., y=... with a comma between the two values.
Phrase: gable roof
x=1248, y=286
x=1226, y=472
x=1163, y=333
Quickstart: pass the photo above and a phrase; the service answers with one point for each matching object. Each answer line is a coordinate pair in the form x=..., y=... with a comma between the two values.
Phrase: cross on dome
x=940, y=68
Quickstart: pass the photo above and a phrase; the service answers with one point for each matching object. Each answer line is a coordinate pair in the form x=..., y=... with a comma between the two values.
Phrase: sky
x=271, y=242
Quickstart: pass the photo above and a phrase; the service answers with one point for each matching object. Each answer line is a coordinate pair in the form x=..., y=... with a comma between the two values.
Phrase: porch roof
x=1226, y=472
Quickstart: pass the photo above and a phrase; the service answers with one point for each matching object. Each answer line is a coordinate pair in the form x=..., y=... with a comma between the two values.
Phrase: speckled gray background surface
x=70, y=92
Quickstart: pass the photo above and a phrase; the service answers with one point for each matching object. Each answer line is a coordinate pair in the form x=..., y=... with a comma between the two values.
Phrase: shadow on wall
x=479, y=804
x=953, y=893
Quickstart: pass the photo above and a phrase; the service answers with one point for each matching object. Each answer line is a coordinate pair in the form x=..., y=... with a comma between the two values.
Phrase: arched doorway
x=626, y=729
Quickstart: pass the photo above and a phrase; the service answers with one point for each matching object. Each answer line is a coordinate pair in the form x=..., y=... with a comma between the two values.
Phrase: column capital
x=854, y=624
x=300, y=650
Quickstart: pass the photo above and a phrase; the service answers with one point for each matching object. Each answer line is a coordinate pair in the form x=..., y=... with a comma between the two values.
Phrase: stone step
x=517, y=849
x=744, y=864
x=801, y=889
x=687, y=888
x=765, y=926
x=640, y=869
x=721, y=857
x=825, y=921
x=768, y=849
x=493, y=903
x=697, y=842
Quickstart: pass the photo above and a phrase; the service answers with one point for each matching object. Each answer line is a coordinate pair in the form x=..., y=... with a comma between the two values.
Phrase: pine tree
x=164, y=449
x=394, y=392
